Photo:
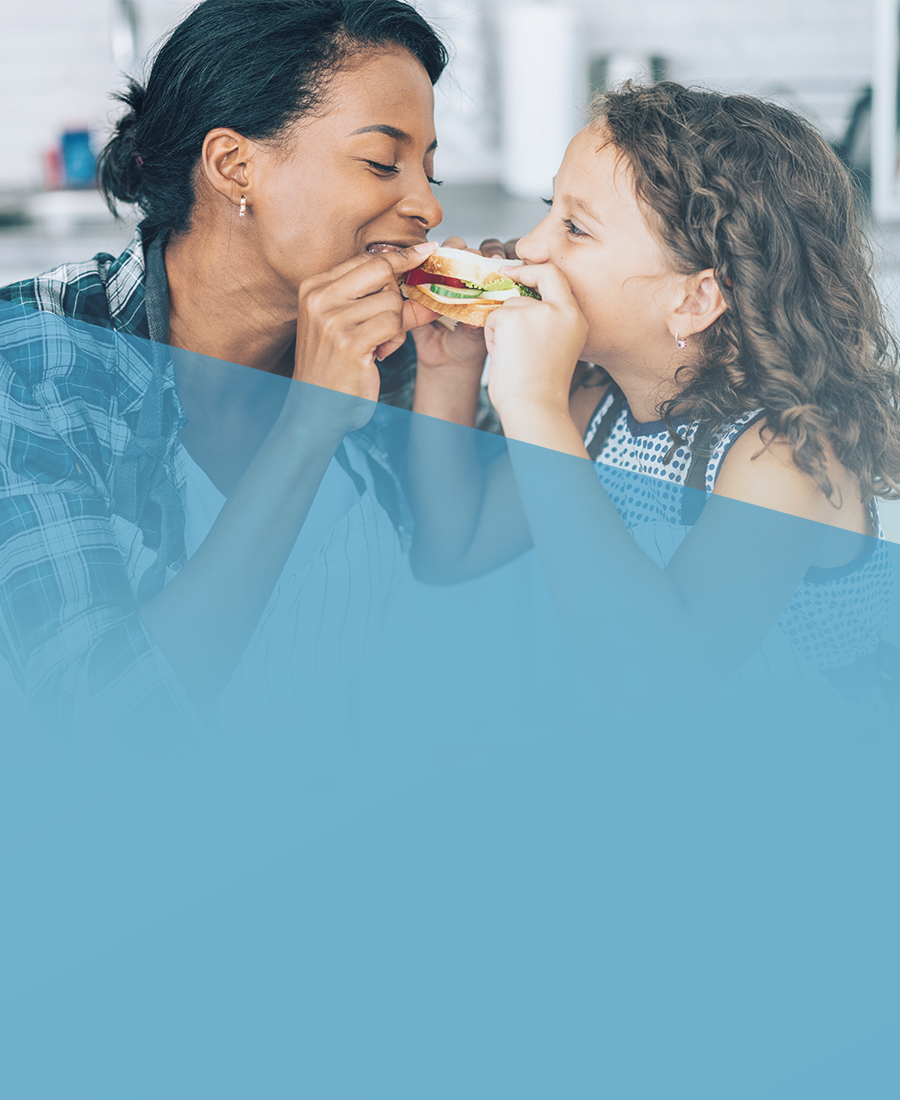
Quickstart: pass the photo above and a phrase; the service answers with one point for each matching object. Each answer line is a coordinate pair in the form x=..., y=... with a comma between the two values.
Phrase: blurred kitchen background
x=522, y=75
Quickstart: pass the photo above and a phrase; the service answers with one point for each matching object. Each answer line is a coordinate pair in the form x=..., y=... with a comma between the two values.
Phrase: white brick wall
x=816, y=53
x=57, y=71
x=731, y=43
x=56, y=66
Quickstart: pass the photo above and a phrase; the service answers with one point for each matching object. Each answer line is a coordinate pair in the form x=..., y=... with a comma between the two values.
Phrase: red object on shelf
x=53, y=170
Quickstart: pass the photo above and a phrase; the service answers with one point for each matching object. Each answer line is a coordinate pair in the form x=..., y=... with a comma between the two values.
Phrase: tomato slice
x=417, y=276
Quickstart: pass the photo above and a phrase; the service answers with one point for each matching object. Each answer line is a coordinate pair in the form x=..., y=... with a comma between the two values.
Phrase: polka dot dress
x=835, y=617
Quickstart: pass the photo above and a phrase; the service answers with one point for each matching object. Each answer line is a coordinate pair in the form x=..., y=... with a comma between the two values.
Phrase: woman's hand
x=450, y=362
x=349, y=316
x=460, y=350
x=534, y=348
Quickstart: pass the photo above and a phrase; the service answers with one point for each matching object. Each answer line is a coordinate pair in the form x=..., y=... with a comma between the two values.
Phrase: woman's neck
x=224, y=305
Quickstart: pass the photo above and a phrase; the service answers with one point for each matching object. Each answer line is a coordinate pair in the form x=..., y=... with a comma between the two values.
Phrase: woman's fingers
x=415, y=315
x=494, y=247
x=367, y=274
x=407, y=258
x=348, y=315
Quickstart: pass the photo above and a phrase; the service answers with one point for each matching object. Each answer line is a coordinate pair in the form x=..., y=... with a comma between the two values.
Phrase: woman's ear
x=702, y=302
x=225, y=164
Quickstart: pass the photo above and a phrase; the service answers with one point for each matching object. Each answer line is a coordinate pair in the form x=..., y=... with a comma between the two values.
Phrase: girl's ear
x=701, y=304
x=224, y=163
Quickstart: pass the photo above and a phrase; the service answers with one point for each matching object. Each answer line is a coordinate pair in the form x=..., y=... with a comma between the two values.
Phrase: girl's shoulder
x=760, y=469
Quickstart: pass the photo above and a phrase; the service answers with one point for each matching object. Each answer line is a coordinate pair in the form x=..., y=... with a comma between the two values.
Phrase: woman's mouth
x=387, y=246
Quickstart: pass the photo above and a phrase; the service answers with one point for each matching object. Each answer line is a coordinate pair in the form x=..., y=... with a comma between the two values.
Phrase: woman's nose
x=424, y=206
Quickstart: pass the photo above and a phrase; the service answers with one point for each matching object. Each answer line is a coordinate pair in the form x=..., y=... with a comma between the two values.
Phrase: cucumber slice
x=453, y=292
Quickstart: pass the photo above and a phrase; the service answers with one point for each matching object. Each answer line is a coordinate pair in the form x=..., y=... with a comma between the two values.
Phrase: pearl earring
x=243, y=209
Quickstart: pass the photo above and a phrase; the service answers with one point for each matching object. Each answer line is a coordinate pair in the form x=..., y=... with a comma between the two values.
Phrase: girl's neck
x=645, y=393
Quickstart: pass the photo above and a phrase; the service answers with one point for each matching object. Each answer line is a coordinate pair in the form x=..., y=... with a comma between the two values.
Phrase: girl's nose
x=532, y=247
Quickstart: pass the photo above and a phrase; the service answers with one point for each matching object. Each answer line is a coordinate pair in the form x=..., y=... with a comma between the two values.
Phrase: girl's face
x=355, y=174
x=597, y=235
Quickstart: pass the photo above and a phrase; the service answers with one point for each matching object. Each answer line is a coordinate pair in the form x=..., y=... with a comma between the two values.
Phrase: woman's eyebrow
x=392, y=132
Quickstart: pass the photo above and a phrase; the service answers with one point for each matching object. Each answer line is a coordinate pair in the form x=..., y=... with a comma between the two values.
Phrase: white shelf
x=885, y=121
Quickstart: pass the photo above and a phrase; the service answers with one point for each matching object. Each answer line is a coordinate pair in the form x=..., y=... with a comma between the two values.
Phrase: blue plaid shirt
x=91, y=494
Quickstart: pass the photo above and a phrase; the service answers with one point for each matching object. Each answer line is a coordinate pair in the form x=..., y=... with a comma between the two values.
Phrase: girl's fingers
x=546, y=279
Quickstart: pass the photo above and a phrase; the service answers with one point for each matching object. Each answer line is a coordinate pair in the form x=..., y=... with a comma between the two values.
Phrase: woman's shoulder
x=106, y=291
x=71, y=372
x=76, y=291
x=66, y=326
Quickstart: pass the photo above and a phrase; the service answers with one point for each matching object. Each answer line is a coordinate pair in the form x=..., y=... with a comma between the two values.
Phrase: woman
x=282, y=156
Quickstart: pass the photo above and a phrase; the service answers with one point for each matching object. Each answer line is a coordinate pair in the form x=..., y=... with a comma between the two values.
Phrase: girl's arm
x=693, y=623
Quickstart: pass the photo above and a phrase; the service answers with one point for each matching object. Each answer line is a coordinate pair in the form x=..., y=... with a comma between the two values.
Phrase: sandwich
x=462, y=286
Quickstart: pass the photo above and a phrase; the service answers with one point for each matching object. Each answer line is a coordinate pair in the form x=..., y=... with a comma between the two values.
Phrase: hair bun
x=120, y=165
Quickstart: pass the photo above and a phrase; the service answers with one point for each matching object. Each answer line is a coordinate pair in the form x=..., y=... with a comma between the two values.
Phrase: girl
x=704, y=252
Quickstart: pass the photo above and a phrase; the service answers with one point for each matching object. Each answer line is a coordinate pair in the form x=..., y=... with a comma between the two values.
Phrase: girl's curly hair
x=751, y=190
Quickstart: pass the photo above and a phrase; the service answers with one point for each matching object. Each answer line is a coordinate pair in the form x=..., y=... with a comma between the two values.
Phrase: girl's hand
x=349, y=315
x=535, y=345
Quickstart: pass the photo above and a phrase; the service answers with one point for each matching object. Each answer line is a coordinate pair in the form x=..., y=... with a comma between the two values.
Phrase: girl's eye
x=549, y=202
x=573, y=229
x=434, y=183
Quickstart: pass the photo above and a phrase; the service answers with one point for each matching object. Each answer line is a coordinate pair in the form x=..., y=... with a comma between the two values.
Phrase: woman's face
x=597, y=235
x=354, y=175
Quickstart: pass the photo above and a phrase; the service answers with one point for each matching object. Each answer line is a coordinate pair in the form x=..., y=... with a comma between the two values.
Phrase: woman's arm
x=205, y=617
x=84, y=651
x=468, y=519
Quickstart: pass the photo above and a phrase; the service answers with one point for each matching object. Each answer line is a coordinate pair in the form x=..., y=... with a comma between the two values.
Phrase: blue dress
x=837, y=617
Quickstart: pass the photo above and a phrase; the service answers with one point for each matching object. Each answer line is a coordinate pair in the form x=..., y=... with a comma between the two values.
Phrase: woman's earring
x=243, y=209
x=682, y=344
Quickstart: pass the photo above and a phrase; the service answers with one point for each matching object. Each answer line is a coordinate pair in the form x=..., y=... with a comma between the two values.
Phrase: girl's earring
x=243, y=209
x=682, y=344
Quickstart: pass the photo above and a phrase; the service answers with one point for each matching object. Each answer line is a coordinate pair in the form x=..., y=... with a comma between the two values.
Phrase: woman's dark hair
x=751, y=190
x=252, y=65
